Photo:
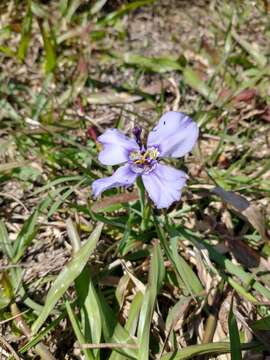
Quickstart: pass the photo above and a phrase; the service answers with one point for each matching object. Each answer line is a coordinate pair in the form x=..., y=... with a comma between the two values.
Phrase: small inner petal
x=143, y=162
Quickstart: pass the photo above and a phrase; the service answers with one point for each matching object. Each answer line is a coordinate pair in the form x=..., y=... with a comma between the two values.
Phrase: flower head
x=174, y=136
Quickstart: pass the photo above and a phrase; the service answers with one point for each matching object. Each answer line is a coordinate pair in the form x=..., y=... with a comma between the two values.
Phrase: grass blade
x=156, y=275
x=5, y=243
x=234, y=336
x=187, y=274
x=26, y=34
x=49, y=46
x=76, y=327
x=91, y=325
x=66, y=277
x=25, y=236
x=114, y=332
x=192, y=351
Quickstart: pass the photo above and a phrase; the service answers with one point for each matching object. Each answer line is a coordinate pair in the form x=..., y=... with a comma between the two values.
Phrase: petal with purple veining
x=116, y=147
x=175, y=134
x=123, y=176
x=164, y=185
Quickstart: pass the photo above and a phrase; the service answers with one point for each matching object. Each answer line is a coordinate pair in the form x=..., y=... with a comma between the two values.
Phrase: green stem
x=145, y=205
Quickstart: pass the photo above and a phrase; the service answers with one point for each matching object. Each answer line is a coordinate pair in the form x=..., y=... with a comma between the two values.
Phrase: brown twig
x=40, y=348
x=13, y=317
x=10, y=348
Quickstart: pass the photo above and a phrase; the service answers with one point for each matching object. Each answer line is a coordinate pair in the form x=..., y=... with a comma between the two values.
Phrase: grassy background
x=188, y=282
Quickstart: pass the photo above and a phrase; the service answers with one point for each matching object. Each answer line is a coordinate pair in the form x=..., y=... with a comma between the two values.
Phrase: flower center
x=143, y=162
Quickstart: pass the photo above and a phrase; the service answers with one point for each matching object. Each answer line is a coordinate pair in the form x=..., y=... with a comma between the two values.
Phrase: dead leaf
x=102, y=98
x=266, y=114
x=245, y=96
x=116, y=199
x=243, y=206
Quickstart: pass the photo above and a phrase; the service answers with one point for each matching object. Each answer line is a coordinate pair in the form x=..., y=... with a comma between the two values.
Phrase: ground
x=133, y=281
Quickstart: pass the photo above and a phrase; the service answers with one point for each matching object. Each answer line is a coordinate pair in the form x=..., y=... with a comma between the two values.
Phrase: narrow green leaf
x=6, y=291
x=97, y=6
x=5, y=243
x=184, y=270
x=49, y=46
x=215, y=348
x=159, y=64
x=66, y=277
x=235, y=343
x=156, y=275
x=76, y=328
x=89, y=308
x=262, y=324
x=91, y=325
x=60, y=201
x=55, y=182
x=7, y=51
x=256, y=54
x=25, y=236
x=236, y=270
x=193, y=80
x=39, y=10
x=134, y=311
x=125, y=8
x=7, y=110
x=26, y=34
x=41, y=99
x=113, y=332
x=71, y=9
x=41, y=335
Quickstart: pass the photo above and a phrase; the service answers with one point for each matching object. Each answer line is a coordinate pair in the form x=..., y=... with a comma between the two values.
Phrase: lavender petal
x=164, y=185
x=123, y=176
x=116, y=147
x=175, y=134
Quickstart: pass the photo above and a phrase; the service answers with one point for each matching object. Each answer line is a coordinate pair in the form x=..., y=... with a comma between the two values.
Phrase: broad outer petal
x=123, y=176
x=175, y=134
x=116, y=147
x=164, y=185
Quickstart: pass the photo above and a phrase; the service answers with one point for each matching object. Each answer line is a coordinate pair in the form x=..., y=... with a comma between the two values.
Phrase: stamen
x=144, y=161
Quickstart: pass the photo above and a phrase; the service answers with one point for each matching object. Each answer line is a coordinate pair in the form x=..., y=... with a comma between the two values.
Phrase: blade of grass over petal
x=66, y=277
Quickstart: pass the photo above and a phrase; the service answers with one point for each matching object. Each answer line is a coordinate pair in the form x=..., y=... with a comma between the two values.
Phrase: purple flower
x=174, y=136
